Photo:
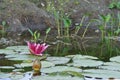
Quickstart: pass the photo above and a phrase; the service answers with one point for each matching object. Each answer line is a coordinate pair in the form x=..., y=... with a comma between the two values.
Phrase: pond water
x=15, y=62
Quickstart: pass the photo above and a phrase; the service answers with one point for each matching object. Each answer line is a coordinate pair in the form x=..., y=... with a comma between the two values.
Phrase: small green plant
x=104, y=21
x=35, y=35
x=47, y=31
x=80, y=25
x=67, y=22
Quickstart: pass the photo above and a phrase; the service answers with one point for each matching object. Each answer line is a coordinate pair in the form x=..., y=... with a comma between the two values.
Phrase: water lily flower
x=37, y=49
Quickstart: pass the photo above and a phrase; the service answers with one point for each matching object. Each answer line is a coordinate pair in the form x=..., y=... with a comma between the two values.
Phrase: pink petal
x=44, y=48
x=37, y=49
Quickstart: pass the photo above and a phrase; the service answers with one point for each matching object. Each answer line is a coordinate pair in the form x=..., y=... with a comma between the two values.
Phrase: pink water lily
x=37, y=49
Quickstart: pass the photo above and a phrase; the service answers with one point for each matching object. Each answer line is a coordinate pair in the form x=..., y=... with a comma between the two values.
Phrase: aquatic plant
x=37, y=49
x=35, y=35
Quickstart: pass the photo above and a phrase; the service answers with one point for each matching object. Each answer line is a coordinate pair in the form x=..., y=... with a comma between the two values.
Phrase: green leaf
x=67, y=22
x=112, y=5
x=107, y=18
x=30, y=31
x=35, y=35
x=48, y=30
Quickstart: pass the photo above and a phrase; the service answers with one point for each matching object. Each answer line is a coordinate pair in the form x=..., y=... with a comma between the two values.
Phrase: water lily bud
x=36, y=65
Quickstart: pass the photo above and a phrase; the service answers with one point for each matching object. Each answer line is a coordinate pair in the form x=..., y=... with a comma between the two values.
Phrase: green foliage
x=35, y=35
x=47, y=31
x=115, y=5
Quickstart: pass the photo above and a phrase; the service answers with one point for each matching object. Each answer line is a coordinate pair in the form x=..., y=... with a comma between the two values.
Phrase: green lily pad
x=17, y=70
x=30, y=64
x=101, y=73
x=16, y=76
x=22, y=65
x=6, y=51
x=17, y=47
x=115, y=59
x=79, y=57
x=85, y=63
x=58, y=60
x=111, y=66
x=46, y=64
x=7, y=67
x=67, y=73
x=4, y=75
x=58, y=77
x=20, y=57
x=59, y=69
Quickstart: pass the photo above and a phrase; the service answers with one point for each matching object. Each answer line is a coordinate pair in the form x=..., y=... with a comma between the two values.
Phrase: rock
x=21, y=15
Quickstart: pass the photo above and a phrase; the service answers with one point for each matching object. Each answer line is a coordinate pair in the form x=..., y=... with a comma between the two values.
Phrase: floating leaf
x=7, y=67
x=6, y=51
x=86, y=63
x=22, y=65
x=46, y=64
x=115, y=59
x=58, y=60
x=99, y=73
x=58, y=77
x=59, y=69
x=4, y=75
x=17, y=57
x=18, y=49
x=111, y=66
x=79, y=57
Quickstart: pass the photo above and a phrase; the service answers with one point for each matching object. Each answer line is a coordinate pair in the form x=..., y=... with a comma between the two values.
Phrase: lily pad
x=22, y=65
x=79, y=57
x=20, y=57
x=6, y=51
x=111, y=66
x=59, y=69
x=58, y=60
x=30, y=64
x=16, y=76
x=85, y=63
x=58, y=77
x=4, y=75
x=17, y=70
x=115, y=59
x=46, y=64
x=99, y=73
x=67, y=73
x=7, y=67
x=17, y=47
